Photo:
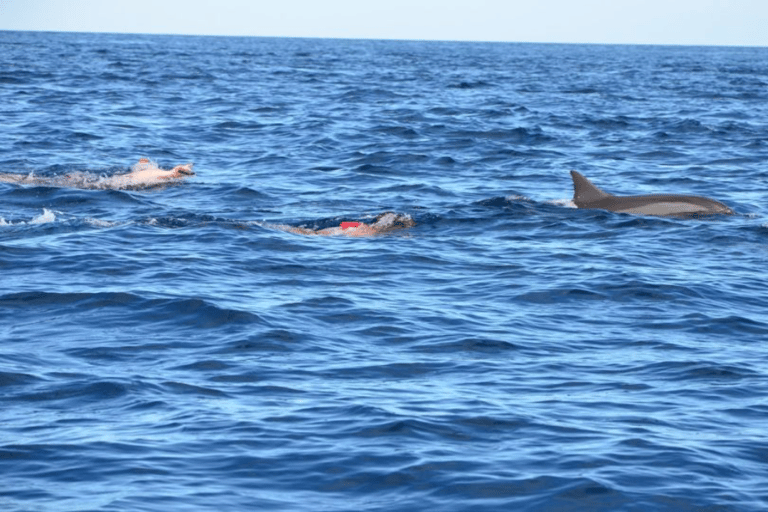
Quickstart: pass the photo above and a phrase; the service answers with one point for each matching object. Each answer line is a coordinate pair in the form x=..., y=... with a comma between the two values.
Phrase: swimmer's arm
x=11, y=178
x=296, y=230
x=180, y=171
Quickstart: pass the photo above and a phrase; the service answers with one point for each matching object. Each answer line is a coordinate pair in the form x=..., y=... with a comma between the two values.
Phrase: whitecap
x=44, y=218
x=101, y=223
x=568, y=203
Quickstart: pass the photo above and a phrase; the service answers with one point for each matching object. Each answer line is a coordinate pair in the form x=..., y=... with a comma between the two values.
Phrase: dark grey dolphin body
x=586, y=195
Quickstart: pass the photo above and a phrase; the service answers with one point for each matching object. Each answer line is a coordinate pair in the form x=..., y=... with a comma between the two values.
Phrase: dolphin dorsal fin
x=584, y=191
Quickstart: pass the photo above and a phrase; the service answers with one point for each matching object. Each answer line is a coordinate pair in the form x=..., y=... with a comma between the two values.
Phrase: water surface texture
x=170, y=349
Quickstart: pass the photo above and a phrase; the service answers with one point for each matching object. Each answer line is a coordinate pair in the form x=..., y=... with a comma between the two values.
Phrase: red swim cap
x=347, y=225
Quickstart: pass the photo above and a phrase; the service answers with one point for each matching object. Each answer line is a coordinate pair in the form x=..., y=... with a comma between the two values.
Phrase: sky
x=682, y=22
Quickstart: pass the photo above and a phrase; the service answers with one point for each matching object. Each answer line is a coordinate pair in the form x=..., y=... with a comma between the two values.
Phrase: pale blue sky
x=700, y=22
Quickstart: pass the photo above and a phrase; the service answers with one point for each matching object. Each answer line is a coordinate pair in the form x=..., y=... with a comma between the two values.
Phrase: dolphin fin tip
x=584, y=191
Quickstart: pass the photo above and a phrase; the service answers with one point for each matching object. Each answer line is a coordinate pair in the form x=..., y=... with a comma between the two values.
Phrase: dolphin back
x=584, y=191
x=586, y=195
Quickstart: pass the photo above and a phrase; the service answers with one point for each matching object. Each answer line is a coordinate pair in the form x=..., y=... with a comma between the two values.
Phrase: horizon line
x=393, y=39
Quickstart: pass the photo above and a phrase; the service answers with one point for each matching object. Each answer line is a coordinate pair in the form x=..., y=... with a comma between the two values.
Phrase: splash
x=143, y=175
x=143, y=165
x=568, y=203
x=46, y=217
x=391, y=220
x=101, y=223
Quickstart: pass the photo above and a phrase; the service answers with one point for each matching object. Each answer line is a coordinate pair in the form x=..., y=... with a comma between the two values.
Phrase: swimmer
x=383, y=223
x=143, y=174
x=145, y=171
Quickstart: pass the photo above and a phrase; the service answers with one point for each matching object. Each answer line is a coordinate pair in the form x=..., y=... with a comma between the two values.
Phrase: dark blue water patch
x=232, y=125
x=518, y=135
x=12, y=79
x=8, y=379
x=710, y=373
x=469, y=346
x=729, y=325
x=193, y=313
x=273, y=340
x=75, y=394
x=398, y=131
x=471, y=85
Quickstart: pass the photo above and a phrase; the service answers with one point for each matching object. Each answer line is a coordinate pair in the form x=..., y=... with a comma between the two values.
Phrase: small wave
x=17, y=379
x=7, y=79
x=48, y=217
x=503, y=201
x=471, y=85
x=101, y=223
x=84, y=136
x=397, y=131
x=186, y=312
x=235, y=125
x=520, y=135
x=583, y=90
x=44, y=218
x=78, y=392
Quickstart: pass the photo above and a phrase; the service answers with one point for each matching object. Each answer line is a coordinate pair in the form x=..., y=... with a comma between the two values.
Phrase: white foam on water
x=46, y=217
x=391, y=220
x=568, y=203
x=101, y=223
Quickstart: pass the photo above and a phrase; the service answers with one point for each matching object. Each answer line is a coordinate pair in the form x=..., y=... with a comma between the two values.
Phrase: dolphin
x=586, y=195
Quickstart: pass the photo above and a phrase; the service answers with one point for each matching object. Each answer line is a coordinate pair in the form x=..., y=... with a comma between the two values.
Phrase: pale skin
x=144, y=173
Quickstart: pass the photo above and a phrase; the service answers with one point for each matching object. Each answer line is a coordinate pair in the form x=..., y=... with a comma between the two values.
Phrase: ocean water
x=169, y=348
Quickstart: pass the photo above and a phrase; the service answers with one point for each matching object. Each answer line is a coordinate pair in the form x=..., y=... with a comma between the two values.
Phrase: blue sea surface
x=170, y=348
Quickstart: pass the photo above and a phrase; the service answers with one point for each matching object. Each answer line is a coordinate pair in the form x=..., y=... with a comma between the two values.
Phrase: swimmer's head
x=185, y=170
x=392, y=220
